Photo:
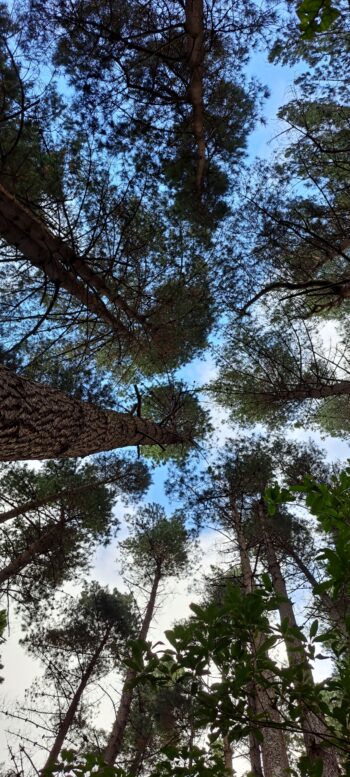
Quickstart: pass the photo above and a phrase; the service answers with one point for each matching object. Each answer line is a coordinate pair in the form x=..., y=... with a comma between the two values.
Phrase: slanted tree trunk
x=273, y=748
x=39, y=422
x=194, y=26
x=56, y=496
x=72, y=709
x=34, y=549
x=117, y=734
x=315, y=731
x=334, y=609
x=227, y=747
x=57, y=259
x=304, y=391
x=340, y=288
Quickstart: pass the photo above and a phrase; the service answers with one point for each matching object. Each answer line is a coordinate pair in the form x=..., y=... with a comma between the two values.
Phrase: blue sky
x=19, y=669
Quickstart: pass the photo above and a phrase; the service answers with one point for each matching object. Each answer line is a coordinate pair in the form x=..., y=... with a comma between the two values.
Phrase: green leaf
x=316, y=16
x=267, y=581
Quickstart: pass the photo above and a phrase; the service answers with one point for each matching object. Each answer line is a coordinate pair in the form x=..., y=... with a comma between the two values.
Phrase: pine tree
x=158, y=548
x=282, y=373
x=232, y=498
x=50, y=539
x=87, y=642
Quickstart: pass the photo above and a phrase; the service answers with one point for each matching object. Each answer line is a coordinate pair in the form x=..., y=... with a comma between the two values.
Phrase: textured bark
x=57, y=259
x=273, y=748
x=115, y=741
x=35, y=548
x=38, y=422
x=72, y=709
x=195, y=55
x=315, y=730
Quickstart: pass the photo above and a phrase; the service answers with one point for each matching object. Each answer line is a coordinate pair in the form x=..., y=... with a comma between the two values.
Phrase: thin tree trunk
x=273, y=748
x=255, y=756
x=228, y=751
x=39, y=422
x=72, y=709
x=117, y=734
x=139, y=756
x=315, y=730
x=23, y=559
x=194, y=26
x=308, y=391
x=339, y=288
x=25, y=231
x=55, y=496
x=228, y=754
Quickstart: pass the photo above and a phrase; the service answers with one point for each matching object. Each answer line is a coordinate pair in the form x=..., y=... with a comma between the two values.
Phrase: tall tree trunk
x=228, y=751
x=255, y=756
x=194, y=26
x=59, y=262
x=332, y=608
x=138, y=759
x=273, y=748
x=39, y=422
x=315, y=730
x=34, y=549
x=117, y=734
x=228, y=754
x=72, y=709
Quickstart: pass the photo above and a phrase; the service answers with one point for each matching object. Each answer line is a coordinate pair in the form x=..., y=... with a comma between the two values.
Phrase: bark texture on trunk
x=194, y=26
x=273, y=748
x=35, y=548
x=315, y=730
x=39, y=422
x=57, y=259
x=115, y=741
x=72, y=709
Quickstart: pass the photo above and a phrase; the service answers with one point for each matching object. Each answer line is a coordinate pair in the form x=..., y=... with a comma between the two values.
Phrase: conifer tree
x=232, y=497
x=284, y=373
x=157, y=549
x=87, y=641
x=50, y=539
